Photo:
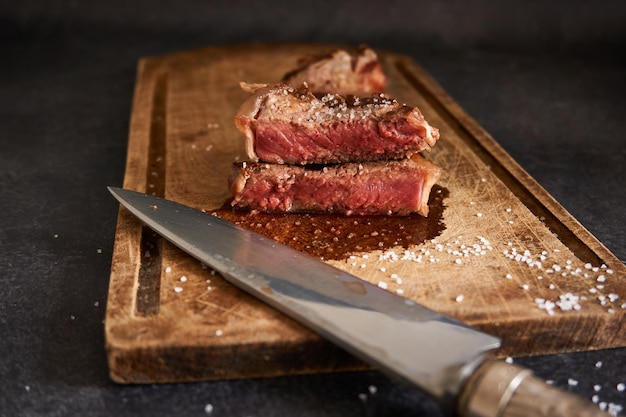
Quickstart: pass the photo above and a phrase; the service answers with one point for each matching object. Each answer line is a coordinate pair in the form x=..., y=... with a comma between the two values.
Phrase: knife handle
x=498, y=389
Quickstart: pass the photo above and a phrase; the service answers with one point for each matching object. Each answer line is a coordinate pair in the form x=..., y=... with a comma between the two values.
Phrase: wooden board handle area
x=499, y=389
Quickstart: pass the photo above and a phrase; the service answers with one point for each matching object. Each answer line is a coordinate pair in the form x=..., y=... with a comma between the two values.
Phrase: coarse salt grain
x=168, y=269
x=208, y=408
x=219, y=332
x=621, y=387
x=372, y=389
x=459, y=298
x=614, y=409
x=572, y=382
x=178, y=289
x=599, y=364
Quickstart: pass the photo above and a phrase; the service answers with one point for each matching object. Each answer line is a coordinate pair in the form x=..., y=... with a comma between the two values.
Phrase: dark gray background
x=546, y=79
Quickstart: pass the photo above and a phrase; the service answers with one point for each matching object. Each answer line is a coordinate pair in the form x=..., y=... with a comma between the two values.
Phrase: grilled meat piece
x=355, y=72
x=384, y=187
x=290, y=125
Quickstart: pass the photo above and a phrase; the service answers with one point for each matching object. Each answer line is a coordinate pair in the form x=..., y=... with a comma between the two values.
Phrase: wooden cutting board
x=497, y=251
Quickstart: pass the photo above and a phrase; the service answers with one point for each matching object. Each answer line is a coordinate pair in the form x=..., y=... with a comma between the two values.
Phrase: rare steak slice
x=286, y=125
x=355, y=72
x=386, y=187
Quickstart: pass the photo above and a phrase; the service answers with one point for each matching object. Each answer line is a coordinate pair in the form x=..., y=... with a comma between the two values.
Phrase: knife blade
x=443, y=357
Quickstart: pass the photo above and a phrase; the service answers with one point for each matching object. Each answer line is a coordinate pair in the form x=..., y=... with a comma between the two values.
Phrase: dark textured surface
x=546, y=80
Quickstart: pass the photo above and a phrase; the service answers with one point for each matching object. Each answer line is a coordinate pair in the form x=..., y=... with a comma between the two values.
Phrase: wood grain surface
x=497, y=252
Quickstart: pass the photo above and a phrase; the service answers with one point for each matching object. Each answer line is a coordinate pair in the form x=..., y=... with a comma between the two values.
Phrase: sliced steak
x=342, y=72
x=389, y=187
x=290, y=125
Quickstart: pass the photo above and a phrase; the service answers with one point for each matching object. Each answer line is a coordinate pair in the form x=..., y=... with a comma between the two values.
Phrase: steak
x=342, y=72
x=287, y=125
x=385, y=188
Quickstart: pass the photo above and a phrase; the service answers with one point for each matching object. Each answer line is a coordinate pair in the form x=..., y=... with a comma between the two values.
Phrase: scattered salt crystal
x=27, y=387
x=183, y=279
x=168, y=269
x=525, y=287
x=601, y=278
x=56, y=235
x=572, y=382
x=219, y=332
x=372, y=389
x=399, y=291
x=595, y=399
x=99, y=250
x=599, y=364
x=479, y=214
x=621, y=387
x=509, y=359
x=458, y=261
x=96, y=304
x=597, y=388
x=178, y=289
x=615, y=409
x=508, y=276
x=459, y=298
x=363, y=397
x=382, y=284
x=208, y=408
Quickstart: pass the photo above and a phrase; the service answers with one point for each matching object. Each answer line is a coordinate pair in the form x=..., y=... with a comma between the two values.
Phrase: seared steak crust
x=342, y=72
x=391, y=187
x=286, y=125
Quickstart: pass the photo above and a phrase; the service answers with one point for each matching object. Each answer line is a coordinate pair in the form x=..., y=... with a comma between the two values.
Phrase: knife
x=443, y=357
